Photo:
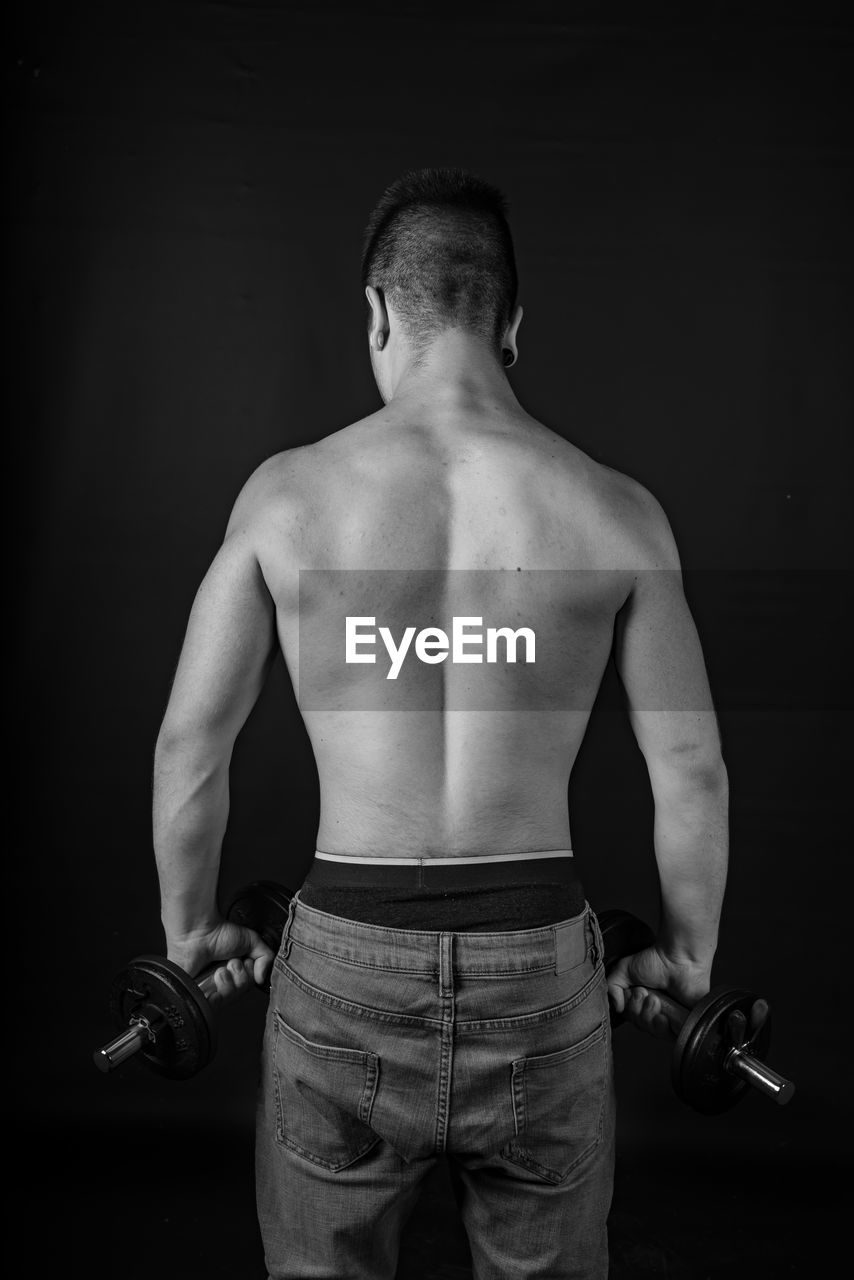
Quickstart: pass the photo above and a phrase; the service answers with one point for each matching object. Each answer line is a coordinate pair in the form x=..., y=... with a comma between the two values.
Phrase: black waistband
x=427, y=875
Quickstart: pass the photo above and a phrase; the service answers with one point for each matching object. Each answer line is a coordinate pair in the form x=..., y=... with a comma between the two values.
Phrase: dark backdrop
x=190, y=182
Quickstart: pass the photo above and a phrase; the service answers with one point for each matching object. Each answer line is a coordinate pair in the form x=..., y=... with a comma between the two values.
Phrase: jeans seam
x=358, y=1010
x=356, y=964
x=381, y=968
x=274, y=1058
x=486, y=1026
x=473, y=1027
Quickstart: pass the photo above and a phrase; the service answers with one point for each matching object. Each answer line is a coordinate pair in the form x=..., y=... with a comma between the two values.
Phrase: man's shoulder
x=620, y=494
x=302, y=462
x=626, y=493
x=624, y=513
x=271, y=491
x=282, y=492
x=642, y=517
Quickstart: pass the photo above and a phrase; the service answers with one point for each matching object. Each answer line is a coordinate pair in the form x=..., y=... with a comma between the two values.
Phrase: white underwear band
x=444, y=862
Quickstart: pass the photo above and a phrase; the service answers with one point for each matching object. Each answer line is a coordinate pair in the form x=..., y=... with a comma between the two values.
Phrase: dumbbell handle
x=737, y=1062
x=112, y=1055
x=124, y=1046
x=775, y=1086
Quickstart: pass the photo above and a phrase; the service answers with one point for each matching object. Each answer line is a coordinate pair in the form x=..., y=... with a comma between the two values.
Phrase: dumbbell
x=722, y=1040
x=166, y=1018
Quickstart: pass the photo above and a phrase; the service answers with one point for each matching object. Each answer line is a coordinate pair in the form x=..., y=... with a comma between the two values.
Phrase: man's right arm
x=660, y=662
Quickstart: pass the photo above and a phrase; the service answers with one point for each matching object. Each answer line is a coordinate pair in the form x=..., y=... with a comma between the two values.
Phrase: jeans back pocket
x=324, y=1097
x=558, y=1104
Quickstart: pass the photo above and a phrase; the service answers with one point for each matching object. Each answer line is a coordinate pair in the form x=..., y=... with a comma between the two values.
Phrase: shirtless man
x=439, y=989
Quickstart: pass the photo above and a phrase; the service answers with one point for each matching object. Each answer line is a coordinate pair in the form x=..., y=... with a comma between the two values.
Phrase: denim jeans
x=386, y=1049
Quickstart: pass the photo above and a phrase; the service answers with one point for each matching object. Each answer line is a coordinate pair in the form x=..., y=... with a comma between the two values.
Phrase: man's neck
x=456, y=374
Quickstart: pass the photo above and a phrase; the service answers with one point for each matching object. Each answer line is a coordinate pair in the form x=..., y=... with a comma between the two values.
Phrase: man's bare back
x=459, y=490
x=449, y=513
x=450, y=505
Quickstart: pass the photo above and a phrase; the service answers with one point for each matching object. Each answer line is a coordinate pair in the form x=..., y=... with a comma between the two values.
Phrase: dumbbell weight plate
x=262, y=906
x=622, y=935
x=154, y=988
x=697, y=1066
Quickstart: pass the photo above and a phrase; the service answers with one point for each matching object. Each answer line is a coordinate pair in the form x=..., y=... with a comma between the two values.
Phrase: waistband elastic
x=548, y=866
x=456, y=861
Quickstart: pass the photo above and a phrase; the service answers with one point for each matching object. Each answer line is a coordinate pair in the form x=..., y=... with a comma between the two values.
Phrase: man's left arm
x=228, y=649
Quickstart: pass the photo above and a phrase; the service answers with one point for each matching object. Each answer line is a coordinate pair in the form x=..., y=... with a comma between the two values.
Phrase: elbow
x=690, y=773
x=713, y=777
x=171, y=741
x=191, y=742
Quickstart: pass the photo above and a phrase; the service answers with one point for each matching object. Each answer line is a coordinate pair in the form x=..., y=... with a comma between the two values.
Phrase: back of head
x=438, y=247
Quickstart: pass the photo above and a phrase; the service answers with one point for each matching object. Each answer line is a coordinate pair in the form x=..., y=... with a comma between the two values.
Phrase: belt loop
x=446, y=965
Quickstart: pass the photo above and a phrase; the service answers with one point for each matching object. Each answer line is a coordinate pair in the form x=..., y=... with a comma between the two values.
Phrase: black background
x=189, y=186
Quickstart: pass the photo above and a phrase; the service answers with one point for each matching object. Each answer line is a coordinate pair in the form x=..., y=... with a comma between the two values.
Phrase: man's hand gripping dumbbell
x=163, y=1008
x=721, y=1035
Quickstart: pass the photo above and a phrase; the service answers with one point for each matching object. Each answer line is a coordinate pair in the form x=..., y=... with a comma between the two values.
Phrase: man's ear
x=378, y=334
x=508, y=343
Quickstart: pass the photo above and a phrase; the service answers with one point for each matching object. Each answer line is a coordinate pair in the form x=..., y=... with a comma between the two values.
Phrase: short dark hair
x=438, y=246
